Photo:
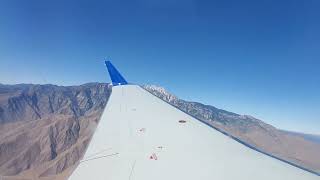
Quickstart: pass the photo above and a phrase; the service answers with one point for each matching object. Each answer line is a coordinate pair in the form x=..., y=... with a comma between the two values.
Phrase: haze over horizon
x=259, y=58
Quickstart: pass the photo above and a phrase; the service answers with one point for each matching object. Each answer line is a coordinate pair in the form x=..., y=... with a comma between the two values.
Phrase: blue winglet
x=115, y=76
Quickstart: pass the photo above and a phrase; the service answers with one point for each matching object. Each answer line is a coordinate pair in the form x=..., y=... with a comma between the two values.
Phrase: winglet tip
x=106, y=62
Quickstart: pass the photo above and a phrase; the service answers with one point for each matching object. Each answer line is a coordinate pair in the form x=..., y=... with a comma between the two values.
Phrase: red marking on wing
x=154, y=156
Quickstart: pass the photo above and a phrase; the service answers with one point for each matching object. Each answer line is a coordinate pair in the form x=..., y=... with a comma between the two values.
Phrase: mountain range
x=45, y=129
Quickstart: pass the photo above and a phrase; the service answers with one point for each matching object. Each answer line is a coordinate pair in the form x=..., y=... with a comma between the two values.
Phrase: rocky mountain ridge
x=31, y=102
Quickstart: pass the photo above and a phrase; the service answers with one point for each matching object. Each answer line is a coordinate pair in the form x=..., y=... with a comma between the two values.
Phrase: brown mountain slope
x=45, y=129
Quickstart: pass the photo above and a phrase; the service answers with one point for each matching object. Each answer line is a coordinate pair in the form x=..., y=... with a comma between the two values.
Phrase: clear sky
x=256, y=57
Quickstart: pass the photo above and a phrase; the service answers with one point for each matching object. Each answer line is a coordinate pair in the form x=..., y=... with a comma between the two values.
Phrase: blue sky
x=257, y=57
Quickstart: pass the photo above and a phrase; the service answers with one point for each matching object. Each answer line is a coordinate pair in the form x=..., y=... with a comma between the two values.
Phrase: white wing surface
x=141, y=137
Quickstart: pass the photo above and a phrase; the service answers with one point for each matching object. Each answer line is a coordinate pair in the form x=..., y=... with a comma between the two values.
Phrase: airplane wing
x=141, y=137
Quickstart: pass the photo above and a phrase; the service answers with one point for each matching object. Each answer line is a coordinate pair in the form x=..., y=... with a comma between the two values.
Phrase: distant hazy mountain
x=45, y=129
x=310, y=137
